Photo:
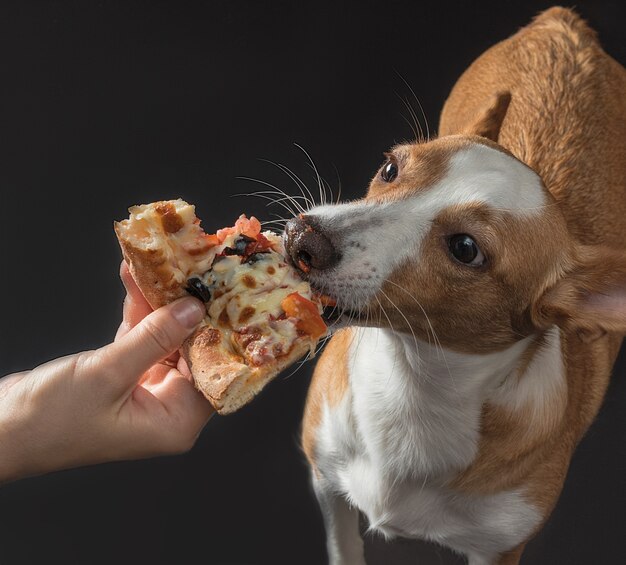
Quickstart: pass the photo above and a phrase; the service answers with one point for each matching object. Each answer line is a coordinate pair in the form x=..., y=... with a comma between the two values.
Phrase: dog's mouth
x=334, y=313
x=312, y=253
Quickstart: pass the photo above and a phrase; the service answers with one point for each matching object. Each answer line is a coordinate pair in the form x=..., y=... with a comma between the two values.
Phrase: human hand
x=117, y=402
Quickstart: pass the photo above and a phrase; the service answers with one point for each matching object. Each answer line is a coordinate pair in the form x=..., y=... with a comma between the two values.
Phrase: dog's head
x=458, y=239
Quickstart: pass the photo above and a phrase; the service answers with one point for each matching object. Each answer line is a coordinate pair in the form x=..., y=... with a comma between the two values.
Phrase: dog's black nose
x=307, y=246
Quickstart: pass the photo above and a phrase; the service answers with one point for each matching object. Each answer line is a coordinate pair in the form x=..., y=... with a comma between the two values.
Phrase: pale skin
x=131, y=399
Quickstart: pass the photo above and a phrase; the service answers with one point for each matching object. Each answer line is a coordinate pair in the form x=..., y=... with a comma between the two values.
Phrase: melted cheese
x=249, y=295
x=148, y=232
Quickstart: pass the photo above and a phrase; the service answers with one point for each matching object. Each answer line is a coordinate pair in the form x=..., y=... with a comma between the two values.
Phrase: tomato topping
x=243, y=226
x=212, y=240
x=307, y=315
x=250, y=227
x=224, y=233
x=261, y=245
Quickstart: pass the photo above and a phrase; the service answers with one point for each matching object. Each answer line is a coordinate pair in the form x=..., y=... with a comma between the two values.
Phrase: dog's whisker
x=317, y=174
x=418, y=103
x=270, y=185
x=330, y=191
x=277, y=191
x=267, y=196
x=438, y=347
x=273, y=201
x=300, y=184
x=415, y=126
x=416, y=119
x=409, y=326
x=411, y=126
x=431, y=330
x=277, y=221
x=338, y=185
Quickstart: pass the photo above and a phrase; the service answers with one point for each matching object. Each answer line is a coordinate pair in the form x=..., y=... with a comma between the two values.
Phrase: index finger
x=156, y=337
x=132, y=289
x=136, y=307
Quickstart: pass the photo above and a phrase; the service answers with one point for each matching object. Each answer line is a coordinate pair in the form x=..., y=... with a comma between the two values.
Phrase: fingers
x=157, y=336
x=184, y=403
x=183, y=369
x=136, y=307
x=131, y=286
x=176, y=412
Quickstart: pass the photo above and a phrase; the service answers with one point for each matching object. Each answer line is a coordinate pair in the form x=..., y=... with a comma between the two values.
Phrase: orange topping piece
x=244, y=226
x=307, y=315
x=224, y=233
x=170, y=220
x=250, y=227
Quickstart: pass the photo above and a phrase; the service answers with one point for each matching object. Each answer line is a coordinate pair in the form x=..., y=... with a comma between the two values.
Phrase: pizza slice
x=261, y=316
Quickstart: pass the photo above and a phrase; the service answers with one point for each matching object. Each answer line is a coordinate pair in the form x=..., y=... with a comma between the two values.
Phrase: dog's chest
x=392, y=442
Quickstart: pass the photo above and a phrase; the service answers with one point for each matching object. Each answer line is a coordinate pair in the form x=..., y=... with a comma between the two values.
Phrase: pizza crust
x=226, y=381
x=150, y=269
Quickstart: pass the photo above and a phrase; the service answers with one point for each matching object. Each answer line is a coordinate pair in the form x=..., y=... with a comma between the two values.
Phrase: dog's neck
x=419, y=406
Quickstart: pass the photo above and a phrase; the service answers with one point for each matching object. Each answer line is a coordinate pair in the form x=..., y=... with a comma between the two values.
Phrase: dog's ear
x=591, y=298
x=489, y=120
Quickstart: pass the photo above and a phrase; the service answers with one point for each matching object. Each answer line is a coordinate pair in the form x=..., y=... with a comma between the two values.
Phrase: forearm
x=11, y=423
x=29, y=420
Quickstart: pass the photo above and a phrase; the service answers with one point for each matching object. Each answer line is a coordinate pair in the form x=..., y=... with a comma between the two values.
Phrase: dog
x=482, y=302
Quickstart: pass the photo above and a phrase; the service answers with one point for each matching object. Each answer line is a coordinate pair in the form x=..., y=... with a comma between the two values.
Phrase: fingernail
x=188, y=312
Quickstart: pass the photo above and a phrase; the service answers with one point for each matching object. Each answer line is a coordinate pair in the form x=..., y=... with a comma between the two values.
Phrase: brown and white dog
x=485, y=304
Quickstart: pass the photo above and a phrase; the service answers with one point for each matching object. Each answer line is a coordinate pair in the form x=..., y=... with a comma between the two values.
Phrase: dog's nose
x=307, y=246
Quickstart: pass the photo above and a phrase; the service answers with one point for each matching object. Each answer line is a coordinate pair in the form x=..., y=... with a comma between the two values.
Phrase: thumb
x=157, y=336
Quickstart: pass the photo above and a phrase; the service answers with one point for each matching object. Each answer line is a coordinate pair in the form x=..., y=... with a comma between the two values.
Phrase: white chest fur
x=406, y=425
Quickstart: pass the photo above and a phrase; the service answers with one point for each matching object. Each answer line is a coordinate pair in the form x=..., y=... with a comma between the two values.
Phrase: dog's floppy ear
x=489, y=120
x=591, y=298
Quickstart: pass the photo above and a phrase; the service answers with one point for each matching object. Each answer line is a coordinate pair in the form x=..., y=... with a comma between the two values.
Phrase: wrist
x=15, y=411
x=11, y=461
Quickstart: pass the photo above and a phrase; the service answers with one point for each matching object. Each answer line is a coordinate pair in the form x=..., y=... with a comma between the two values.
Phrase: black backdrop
x=106, y=104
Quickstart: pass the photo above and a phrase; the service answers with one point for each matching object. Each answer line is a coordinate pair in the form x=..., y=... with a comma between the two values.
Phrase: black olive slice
x=240, y=246
x=197, y=288
x=256, y=256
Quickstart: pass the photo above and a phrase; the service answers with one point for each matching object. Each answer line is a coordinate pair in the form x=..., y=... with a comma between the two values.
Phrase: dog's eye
x=389, y=172
x=465, y=250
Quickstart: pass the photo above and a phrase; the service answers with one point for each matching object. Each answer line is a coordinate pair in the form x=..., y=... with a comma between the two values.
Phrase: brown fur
x=512, y=557
x=555, y=100
x=331, y=383
x=490, y=120
x=566, y=119
x=422, y=166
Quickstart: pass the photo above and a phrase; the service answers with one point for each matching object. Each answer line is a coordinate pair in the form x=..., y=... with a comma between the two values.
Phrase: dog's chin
x=346, y=312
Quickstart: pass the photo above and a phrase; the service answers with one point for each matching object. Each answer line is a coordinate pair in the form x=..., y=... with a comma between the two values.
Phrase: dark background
x=108, y=104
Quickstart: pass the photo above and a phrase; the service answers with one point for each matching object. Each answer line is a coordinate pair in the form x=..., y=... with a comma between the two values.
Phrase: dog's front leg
x=343, y=541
